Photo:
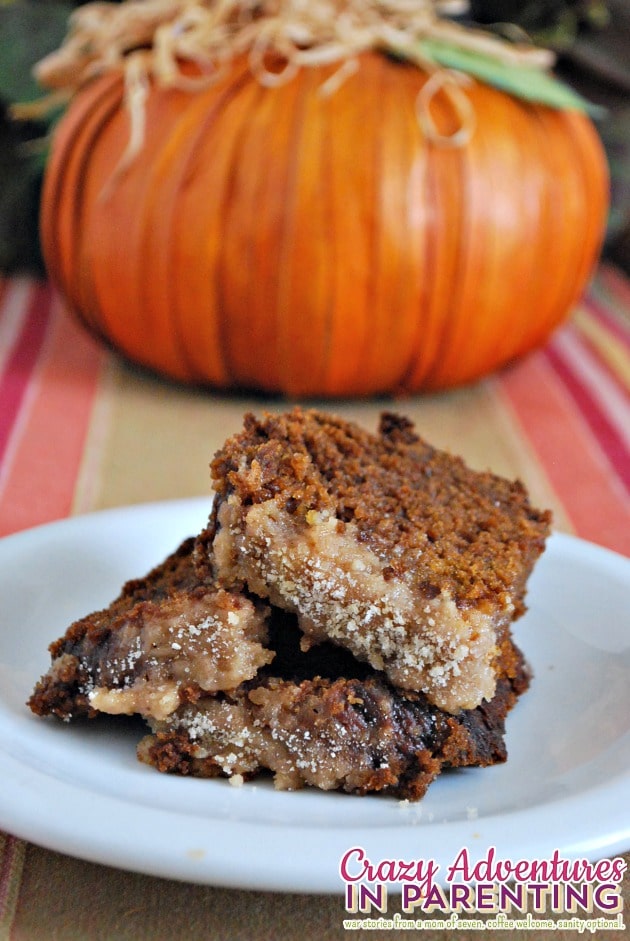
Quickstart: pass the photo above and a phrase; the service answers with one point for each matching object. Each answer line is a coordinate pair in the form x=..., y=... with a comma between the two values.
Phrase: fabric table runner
x=81, y=430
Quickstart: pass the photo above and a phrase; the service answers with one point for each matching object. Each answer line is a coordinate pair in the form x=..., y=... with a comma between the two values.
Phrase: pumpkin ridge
x=570, y=237
x=595, y=196
x=294, y=378
x=366, y=371
x=230, y=272
x=191, y=243
x=415, y=365
x=329, y=306
x=318, y=379
x=276, y=191
x=538, y=297
x=62, y=197
x=414, y=257
x=204, y=360
x=355, y=324
x=267, y=135
x=354, y=150
x=505, y=237
x=156, y=281
x=402, y=201
x=115, y=226
x=530, y=254
x=85, y=300
x=64, y=135
x=582, y=243
x=450, y=301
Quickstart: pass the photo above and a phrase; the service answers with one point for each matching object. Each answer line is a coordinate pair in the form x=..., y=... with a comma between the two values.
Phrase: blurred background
x=591, y=39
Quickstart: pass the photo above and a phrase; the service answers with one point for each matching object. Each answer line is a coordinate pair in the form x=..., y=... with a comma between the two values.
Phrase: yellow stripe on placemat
x=88, y=486
x=611, y=351
x=160, y=438
x=12, y=855
x=150, y=440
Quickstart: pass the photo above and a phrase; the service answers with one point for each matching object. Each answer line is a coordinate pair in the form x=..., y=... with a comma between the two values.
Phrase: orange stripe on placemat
x=611, y=345
x=25, y=320
x=613, y=319
x=12, y=853
x=571, y=454
x=603, y=402
x=44, y=451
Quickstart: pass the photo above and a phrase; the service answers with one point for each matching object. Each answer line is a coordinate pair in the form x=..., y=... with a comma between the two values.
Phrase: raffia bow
x=151, y=39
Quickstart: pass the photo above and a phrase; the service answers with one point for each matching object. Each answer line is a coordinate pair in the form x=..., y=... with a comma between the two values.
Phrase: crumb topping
x=422, y=511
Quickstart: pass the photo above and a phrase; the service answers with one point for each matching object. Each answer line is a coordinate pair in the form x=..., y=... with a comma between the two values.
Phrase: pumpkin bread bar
x=234, y=650
x=167, y=638
x=381, y=543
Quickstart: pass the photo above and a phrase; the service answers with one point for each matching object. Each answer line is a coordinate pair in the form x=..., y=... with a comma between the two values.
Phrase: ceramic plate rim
x=24, y=813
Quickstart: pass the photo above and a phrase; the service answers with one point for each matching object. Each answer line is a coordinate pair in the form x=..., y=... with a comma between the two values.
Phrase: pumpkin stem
x=151, y=39
x=103, y=34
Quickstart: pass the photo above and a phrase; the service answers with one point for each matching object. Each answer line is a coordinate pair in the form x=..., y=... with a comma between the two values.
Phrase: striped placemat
x=82, y=430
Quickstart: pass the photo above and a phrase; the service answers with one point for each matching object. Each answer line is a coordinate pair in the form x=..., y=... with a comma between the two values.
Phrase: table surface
x=81, y=430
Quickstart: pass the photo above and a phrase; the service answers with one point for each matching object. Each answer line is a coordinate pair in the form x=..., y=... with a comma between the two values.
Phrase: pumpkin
x=278, y=239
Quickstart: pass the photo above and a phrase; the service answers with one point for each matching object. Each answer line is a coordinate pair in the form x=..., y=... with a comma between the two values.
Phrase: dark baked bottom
x=355, y=735
x=325, y=720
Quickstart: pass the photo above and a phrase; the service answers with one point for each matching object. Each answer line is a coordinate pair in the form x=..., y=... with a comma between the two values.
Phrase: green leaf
x=523, y=81
x=29, y=31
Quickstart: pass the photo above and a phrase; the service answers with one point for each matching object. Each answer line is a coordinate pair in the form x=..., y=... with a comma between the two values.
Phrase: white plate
x=80, y=790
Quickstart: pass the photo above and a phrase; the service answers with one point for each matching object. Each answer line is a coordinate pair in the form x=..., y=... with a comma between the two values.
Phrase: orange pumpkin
x=281, y=240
